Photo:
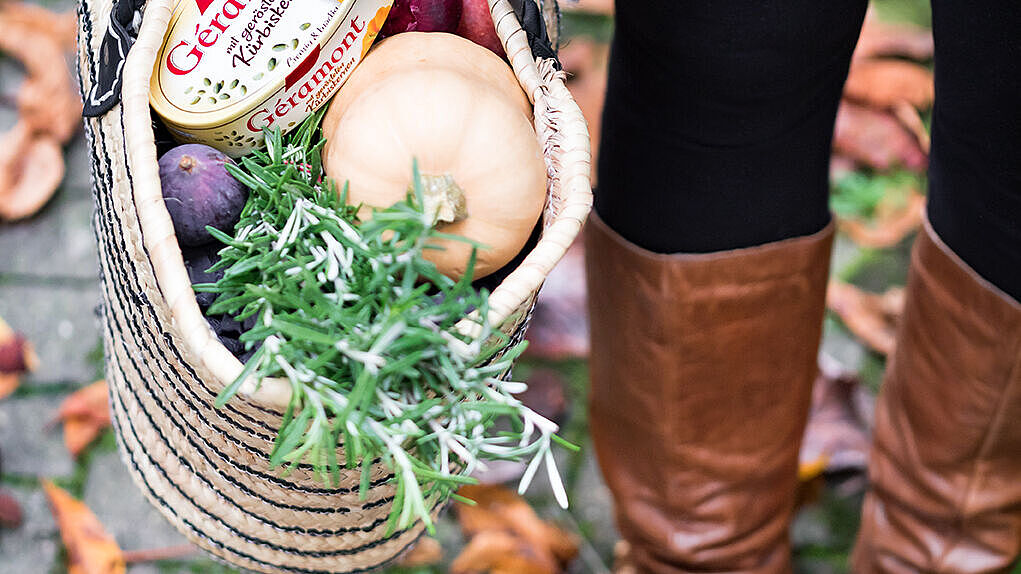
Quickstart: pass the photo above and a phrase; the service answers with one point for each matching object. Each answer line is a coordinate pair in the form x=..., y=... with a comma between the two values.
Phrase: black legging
x=719, y=119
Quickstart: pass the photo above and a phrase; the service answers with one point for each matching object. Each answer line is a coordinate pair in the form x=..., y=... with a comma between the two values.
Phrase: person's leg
x=946, y=463
x=718, y=120
x=707, y=265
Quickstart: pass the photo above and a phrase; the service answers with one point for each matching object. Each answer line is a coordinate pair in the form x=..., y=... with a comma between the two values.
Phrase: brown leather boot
x=702, y=367
x=946, y=461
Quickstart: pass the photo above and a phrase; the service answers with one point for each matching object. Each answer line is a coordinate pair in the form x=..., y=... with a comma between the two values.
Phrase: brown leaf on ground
x=10, y=511
x=90, y=550
x=426, y=553
x=895, y=218
x=879, y=38
x=623, y=558
x=546, y=394
x=875, y=139
x=835, y=433
x=507, y=536
x=586, y=63
x=871, y=317
x=61, y=27
x=48, y=100
x=158, y=554
x=908, y=117
x=85, y=414
x=591, y=6
x=16, y=358
x=31, y=169
x=885, y=83
x=559, y=327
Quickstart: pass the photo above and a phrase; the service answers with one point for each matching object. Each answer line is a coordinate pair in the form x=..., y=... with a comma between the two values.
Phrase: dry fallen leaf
x=31, y=169
x=559, y=328
x=49, y=107
x=591, y=6
x=85, y=414
x=506, y=536
x=879, y=38
x=48, y=100
x=10, y=511
x=16, y=358
x=546, y=394
x=895, y=218
x=90, y=550
x=875, y=139
x=61, y=27
x=835, y=438
x=425, y=553
x=885, y=83
x=908, y=117
x=871, y=317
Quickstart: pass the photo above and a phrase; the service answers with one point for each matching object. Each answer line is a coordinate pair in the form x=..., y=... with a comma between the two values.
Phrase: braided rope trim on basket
x=559, y=124
x=206, y=469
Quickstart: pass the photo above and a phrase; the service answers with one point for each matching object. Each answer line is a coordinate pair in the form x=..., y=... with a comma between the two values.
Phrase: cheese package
x=229, y=68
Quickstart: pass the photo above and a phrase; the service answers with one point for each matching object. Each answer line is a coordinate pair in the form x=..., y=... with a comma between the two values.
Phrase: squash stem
x=444, y=199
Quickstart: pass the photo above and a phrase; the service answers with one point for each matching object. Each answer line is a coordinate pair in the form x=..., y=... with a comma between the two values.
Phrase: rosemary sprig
x=363, y=328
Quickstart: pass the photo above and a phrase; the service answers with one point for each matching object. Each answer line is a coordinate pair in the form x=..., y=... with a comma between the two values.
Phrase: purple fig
x=422, y=16
x=198, y=191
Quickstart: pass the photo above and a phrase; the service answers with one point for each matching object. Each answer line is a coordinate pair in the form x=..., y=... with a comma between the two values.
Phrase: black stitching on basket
x=173, y=420
x=314, y=532
x=259, y=541
x=142, y=302
x=251, y=472
x=202, y=534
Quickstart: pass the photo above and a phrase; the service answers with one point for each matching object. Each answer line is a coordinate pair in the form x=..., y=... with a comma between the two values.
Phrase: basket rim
x=568, y=163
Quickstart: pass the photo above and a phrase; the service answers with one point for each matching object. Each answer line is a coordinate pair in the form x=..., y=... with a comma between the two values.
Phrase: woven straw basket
x=207, y=469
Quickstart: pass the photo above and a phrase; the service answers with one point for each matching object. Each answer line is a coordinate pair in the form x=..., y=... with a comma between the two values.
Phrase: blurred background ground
x=49, y=292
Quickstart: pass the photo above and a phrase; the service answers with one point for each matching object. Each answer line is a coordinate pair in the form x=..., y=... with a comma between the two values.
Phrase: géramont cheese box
x=229, y=68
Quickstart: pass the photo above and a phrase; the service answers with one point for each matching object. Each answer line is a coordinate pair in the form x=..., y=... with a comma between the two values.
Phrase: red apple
x=477, y=26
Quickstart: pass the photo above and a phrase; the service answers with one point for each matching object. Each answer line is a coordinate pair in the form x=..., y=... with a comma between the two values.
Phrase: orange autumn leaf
x=31, y=169
x=48, y=100
x=85, y=414
x=90, y=549
x=894, y=220
x=884, y=83
x=425, y=553
x=497, y=552
x=61, y=27
x=909, y=117
x=506, y=535
x=871, y=317
x=49, y=107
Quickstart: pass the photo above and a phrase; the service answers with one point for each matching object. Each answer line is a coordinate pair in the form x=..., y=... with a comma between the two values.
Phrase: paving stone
x=57, y=242
x=841, y=346
x=120, y=506
x=30, y=445
x=61, y=323
x=33, y=546
x=592, y=506
x=76, y=158
x=844, y=252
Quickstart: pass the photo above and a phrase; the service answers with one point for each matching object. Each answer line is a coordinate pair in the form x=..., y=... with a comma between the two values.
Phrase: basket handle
x=125, y=17
x=530, y=14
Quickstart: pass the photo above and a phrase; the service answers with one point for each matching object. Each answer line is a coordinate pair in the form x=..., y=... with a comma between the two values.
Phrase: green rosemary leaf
x=363, y=327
